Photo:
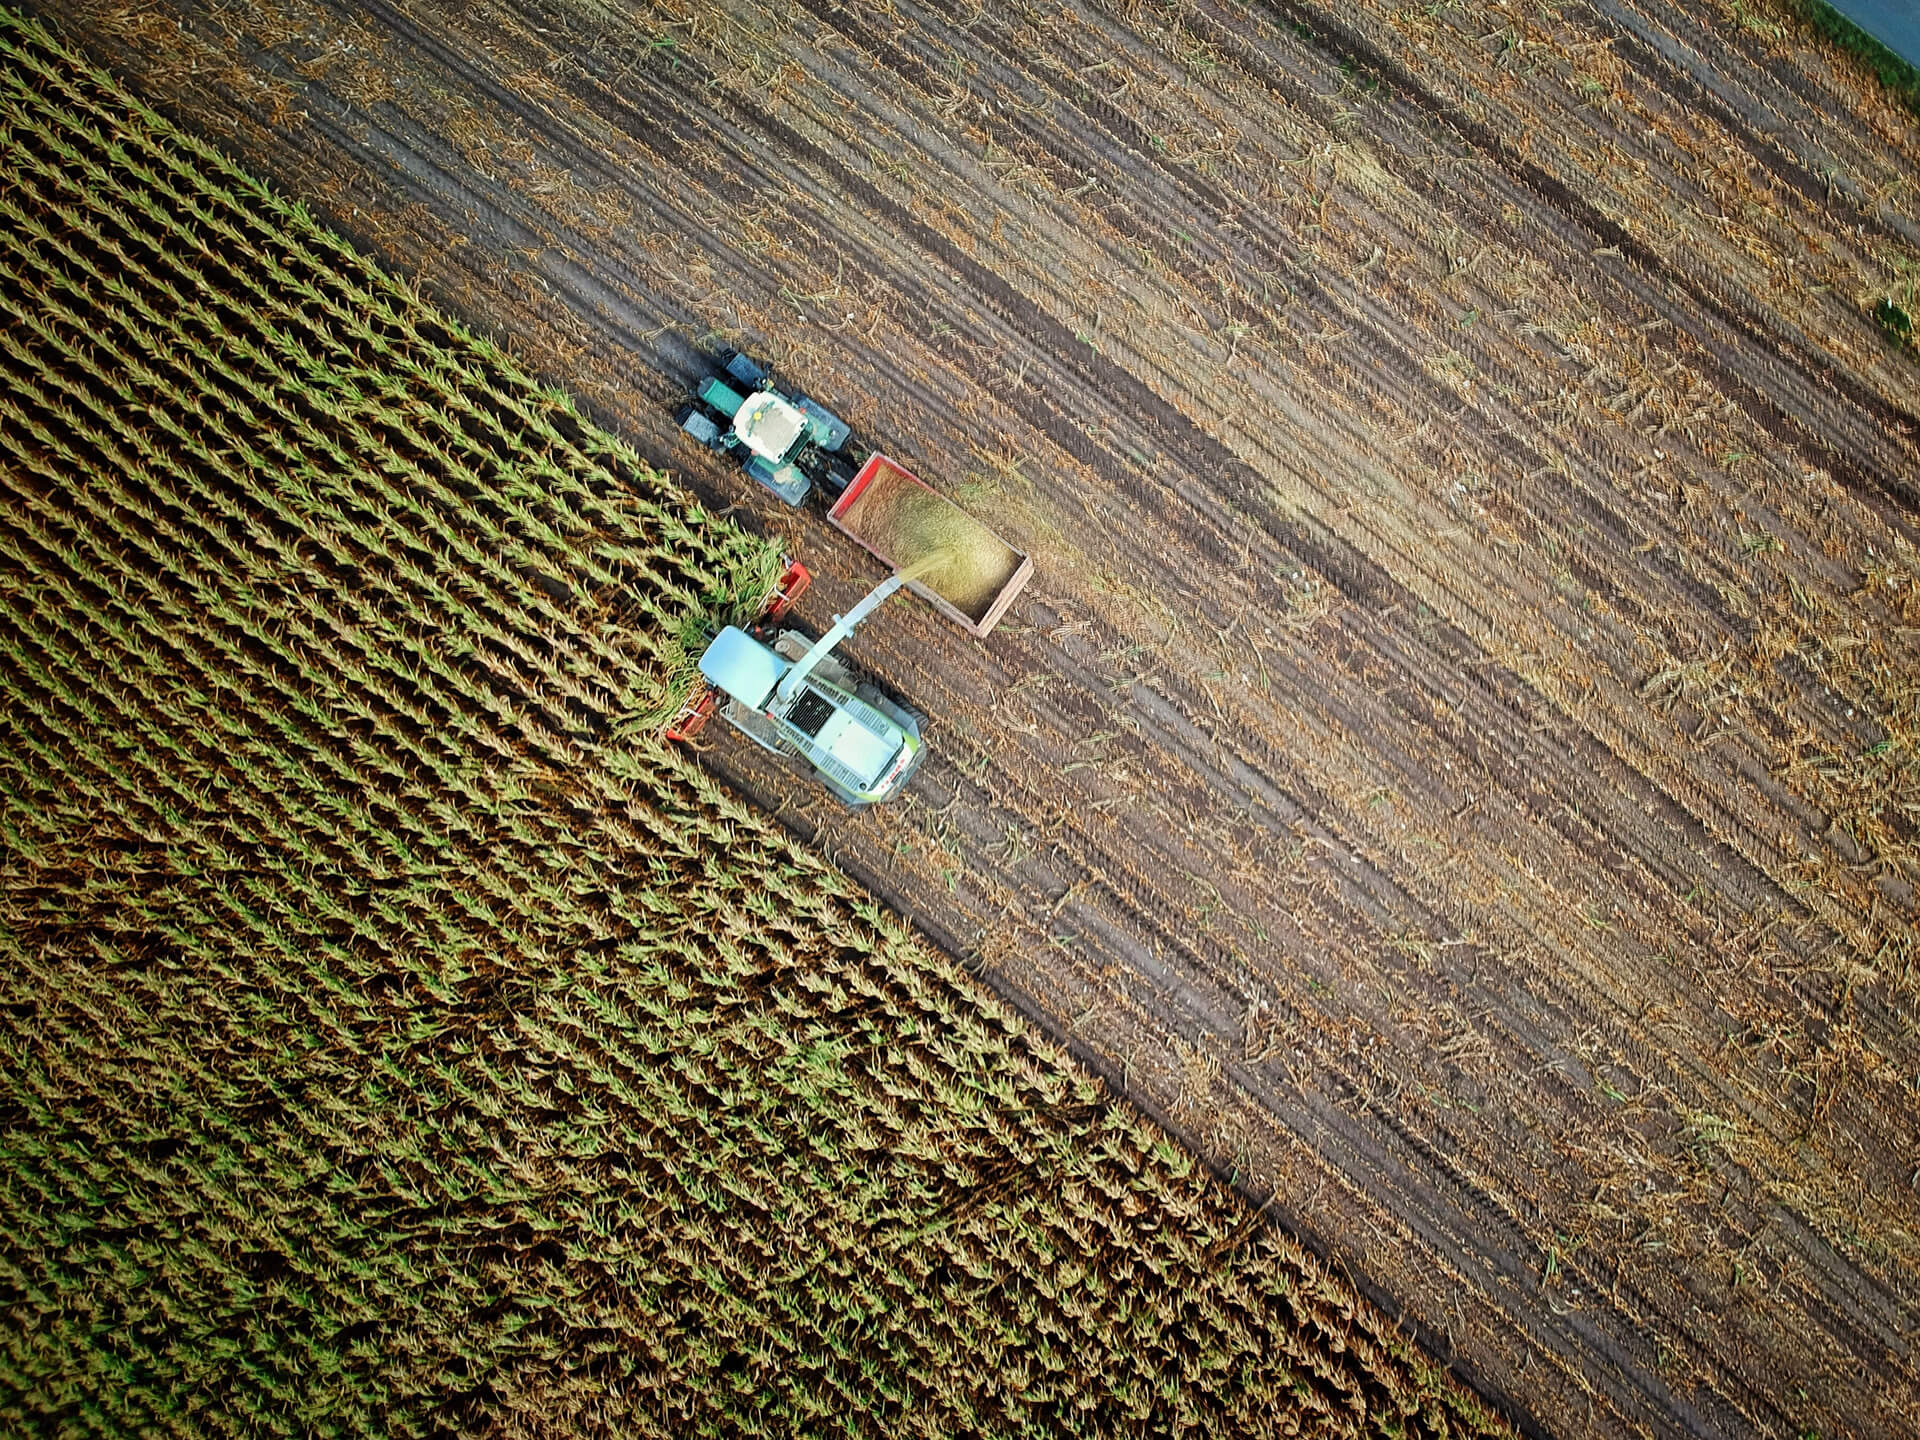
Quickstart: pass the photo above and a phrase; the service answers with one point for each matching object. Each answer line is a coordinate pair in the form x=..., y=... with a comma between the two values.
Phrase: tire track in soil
x=1637, y=33
x=1772, y=354
x=1354, y=674
x=1499, y=439
x=1790, y=168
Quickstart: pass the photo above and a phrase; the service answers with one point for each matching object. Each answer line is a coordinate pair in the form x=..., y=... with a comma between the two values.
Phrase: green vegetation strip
x=1893, y=71
x=394, y=1038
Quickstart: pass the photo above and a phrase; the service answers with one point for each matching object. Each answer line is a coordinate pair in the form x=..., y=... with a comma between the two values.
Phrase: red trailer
x=900, y=518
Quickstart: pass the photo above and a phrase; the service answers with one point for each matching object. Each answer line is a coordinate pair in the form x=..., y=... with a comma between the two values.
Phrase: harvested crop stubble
x=390, y=1047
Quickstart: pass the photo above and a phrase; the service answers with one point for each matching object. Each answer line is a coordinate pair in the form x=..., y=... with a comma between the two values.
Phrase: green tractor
x=787, y=442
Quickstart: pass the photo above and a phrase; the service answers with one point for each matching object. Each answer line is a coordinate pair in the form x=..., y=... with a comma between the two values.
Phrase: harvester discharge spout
x=844, y=625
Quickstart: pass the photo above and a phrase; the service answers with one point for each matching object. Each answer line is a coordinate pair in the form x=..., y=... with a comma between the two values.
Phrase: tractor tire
x=748, y=372
x=694, y=419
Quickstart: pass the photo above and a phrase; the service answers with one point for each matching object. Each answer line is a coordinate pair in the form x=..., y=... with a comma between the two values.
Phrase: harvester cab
x=787, y=442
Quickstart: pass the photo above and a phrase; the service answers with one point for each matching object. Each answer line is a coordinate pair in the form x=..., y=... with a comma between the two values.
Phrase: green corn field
x=395, y=1038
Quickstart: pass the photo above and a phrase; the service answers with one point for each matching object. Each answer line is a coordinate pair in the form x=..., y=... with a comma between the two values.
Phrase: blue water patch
x=1894, y=23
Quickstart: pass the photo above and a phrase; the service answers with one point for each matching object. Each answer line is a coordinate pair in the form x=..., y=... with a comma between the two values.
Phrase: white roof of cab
x=768, y=425
x=742, y=666
x=858, y=748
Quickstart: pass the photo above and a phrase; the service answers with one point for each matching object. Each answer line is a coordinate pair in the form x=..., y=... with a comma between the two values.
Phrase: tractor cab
x=787, y=442
x=770, y=426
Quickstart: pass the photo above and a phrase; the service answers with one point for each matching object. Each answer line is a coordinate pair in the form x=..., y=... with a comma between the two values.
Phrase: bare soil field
x=1457, y=761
